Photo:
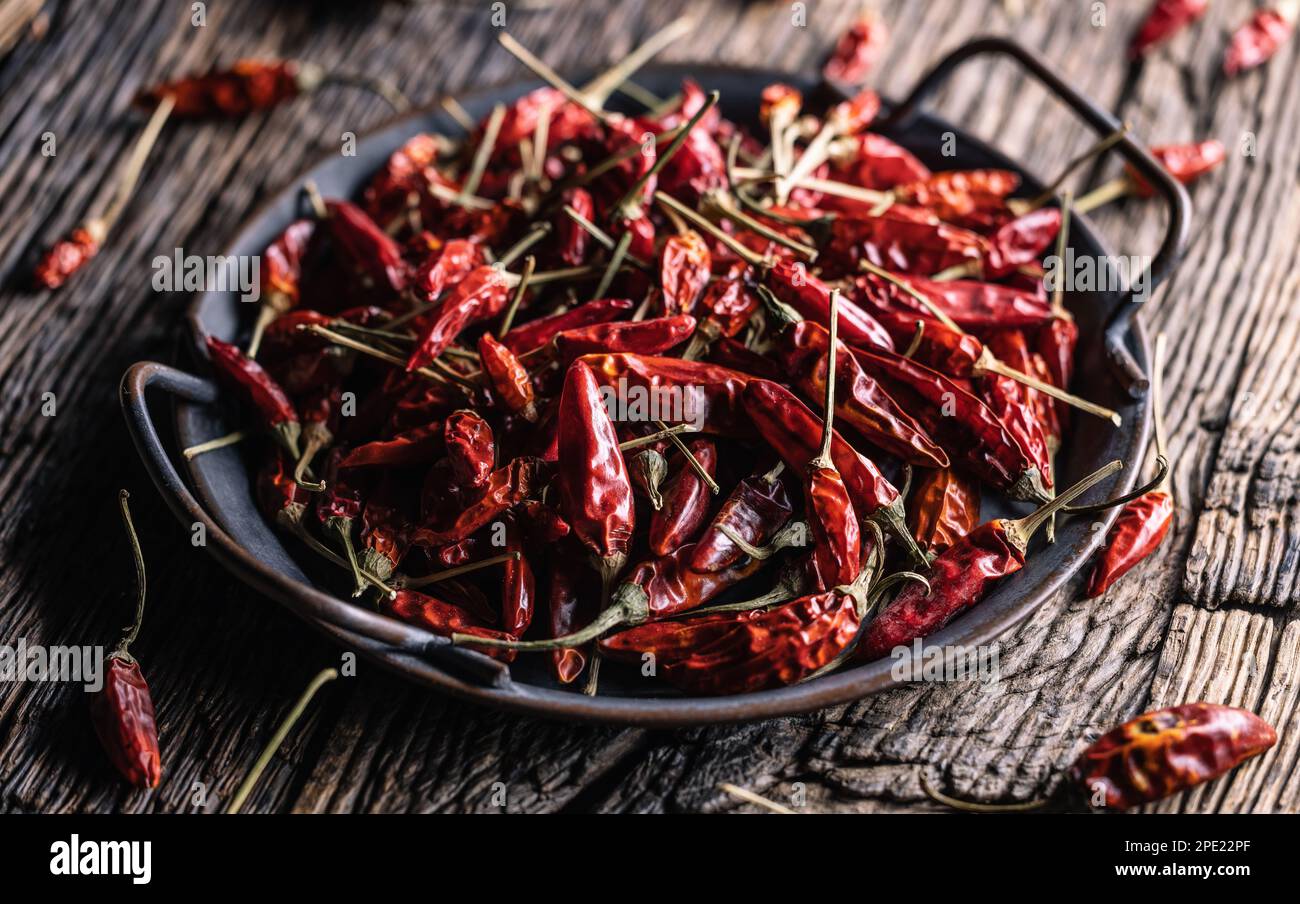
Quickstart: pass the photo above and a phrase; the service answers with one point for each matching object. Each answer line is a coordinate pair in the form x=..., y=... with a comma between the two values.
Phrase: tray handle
x=1134, y=152
x=307, y=602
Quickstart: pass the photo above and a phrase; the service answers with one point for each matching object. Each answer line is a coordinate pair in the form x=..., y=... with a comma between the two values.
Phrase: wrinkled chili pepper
x=337, y=509
x=1165, y=19
x=480, y=296
x=873, y=161
x=943, y=507
x=69, y=255
x=471, y=449
x=419, y=445
x=444, y=269
x=506, y=486
x=861, y=402
x=808, y=295
x=519, y=589
x=963, y=575
x=1015, y=404
x=269, y=401
x=537, y=333
x=567, y=612
x=372, y=252
x=966, y=428
x=385, y=530
x=1185, y=162
x=442, y=618
x=510, y=380
x=281, y=272
x=1169, y=750
x=403, y=177
x=857, y=51
x=975, y=199
x=596, y=500
x=898, y=242
x=642, y=337
x=685, y=265
x=1255, y=43
x=757, y=508
x=709, y=394
x=282, y=499
x=685, y=502
x=122, y=710
x=971, y=304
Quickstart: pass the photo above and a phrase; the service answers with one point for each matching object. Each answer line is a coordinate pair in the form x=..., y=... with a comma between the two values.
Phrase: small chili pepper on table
x=122, y=710
x=1185, y=162
x=1255, y=43
x=1152, y=756
x=1165, y=19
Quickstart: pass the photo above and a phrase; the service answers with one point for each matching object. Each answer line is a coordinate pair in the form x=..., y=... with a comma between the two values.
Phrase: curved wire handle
x=1134, y=152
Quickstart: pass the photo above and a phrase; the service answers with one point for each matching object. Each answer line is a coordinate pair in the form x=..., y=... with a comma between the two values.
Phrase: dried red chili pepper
x=792, y=430
x=420, y=445
x=857, y=51
x=811, y=298
x=337, y=508
x=709, y=394
x=122, y=710
x=471, y=450
x=757, y=508
x=1016, y=405
x=567, y=612
x=519, y=589
x=283, y=500
x=281, y=271
x=455, y=261
x=1185, y=162
x=251, y=85
x=686, y=502
x=960, y=422
x=537, y=333
x=898, y=242
x=272, y=406
x=442, y=618
x=511, y=383
x=1165, y=19
x=481, y=295
x=972, y=305
x=975, y=199
x=1143, y=523
x=873, y=161
x=642, y=337
x=596, y=500
x=1152, y=756
x=571, y=239
x=963, y=575
x=861, y=402
x=943, y=507
x=506, y=487
x=371, y=251
x=1255, y=43
x=385, y=530
x=1169, y=750
x=685, y=266
x=402, y=183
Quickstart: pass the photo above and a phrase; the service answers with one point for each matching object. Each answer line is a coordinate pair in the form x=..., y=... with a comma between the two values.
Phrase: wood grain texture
x=225, y=664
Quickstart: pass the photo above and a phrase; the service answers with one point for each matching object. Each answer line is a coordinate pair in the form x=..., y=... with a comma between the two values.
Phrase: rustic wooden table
x=1212, y=617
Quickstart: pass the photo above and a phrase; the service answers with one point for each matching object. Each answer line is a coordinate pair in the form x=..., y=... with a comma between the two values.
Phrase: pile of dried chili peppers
x=576, y=381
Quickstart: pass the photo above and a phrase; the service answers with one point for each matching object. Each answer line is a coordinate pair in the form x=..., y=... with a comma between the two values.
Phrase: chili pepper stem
x=916, y=339
x=265, y=315
x=250, y=781
x=1021, y=207
x=380, y=354
x=425, y=580
x=1019, y=531
x=701, y=222
x=317, y=440
x=549, y=75
x=192, y=452
x=316, y=546
x=1105, y=193
x=655, y=437
x=615, y=261
x=732, y=213
x=508, y=319
x=906, y=286
x=482, y=153
x=342, y=527
x=691, y=460
x=823, y=459
x=630, y=606
x=793, y=534
x=515, y=251
x=971, y=806
x=137, y=554
x=1162, y=471
x=381, y=88
x=989, y=364
x=599, y=89
x=135, y=163
x=1062, y=239
x=601, y=236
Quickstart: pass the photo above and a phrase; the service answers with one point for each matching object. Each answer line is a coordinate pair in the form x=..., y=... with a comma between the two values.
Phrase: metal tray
x=1112, y=361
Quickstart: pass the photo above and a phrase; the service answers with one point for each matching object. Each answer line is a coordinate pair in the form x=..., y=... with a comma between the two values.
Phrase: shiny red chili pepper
x=962, y=576
x=709, y=395
x=686, y=502
x=1254, y=43
x=1185, y=162
x=1137, y=532
x=898, y=242
x=471, y=450
x=519, y=589
x=757, y=508
x=511, y=383
x=247, y=86
x=567, y=614
x=542, y=524
x=642, y=337
x=481, y=295
x=860, y=401
x=597, y=499
x=455, y=261
x=404, y=175
x=873, y=161
x=535, y=334
x=420, y=445
x=727, y=352
x=1055, y=342
x=811, y=298
x=943, y=506
x=1016, y=405
x=572, y=240
x=1021, y=241
x=69, y=255
x=743, y=652
x=857, y=51
x=972, y=305
x=281, y=271
x=272, y=406
x=1165, y=19
x=442, y=618
x=506, y=487
x=975, y=199
x=685, y=266
x=938, y=345
x=725, y=308
x=965, y=427
x=371, y=251
x=122, y=709
x=1166, y=751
